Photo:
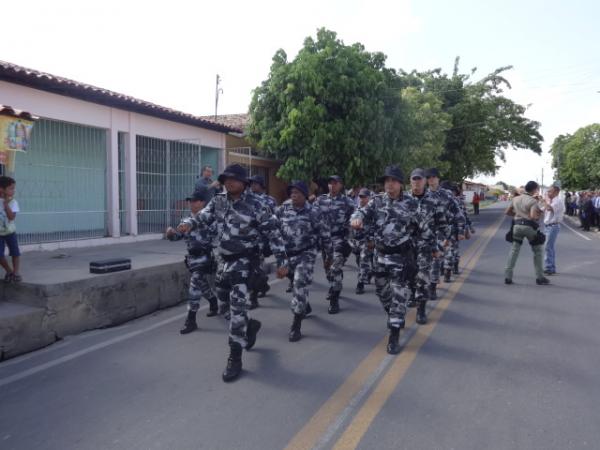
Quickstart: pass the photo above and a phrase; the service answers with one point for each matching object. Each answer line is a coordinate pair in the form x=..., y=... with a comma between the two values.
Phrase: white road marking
x=66, y=358
x=576, y=232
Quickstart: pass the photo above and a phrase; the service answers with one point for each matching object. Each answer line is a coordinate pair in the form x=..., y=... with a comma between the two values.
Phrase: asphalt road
x=497, y=367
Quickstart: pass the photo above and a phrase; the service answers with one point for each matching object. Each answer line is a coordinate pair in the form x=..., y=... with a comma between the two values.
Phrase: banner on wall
x=15, y=134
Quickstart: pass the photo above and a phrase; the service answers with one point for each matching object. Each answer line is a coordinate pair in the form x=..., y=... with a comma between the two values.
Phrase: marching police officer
x=362, y=246
x=303, y=229
x=243, y=221
x=396, y=226
x=337, y=207
x=199, y=261
x=258, y=186
x=449, y=216
x=460, y=231
x=427, y=208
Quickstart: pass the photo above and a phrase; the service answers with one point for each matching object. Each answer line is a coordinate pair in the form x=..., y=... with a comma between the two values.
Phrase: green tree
x=577, y=158
x=484, y=123
x=336, y=108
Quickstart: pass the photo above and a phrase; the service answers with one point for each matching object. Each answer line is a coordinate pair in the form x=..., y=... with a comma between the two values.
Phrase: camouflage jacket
x=428, y=210
x=303, y=228
x=241, y=225
x=448, y=216
x=199, y=240
x=337, y=211
x=270, y=201
x=396, y=222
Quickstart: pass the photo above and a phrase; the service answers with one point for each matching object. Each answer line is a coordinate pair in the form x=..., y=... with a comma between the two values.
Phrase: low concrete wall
x=103, y=301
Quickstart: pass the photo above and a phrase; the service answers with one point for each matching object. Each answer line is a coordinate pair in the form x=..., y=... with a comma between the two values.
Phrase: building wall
x=276, y=186
x=116, y=187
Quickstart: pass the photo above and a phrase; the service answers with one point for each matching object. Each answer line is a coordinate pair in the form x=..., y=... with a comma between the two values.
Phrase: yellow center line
x=320, y=422
x=373, y=405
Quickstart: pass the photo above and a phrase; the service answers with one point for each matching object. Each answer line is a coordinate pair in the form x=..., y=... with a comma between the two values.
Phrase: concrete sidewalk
x=72, y=264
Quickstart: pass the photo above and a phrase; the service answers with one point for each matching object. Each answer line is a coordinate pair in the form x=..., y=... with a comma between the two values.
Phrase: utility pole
x=218, y=91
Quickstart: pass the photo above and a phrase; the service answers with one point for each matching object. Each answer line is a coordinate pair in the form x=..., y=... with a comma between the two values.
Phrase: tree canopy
x=336, y=108
x=577, y=158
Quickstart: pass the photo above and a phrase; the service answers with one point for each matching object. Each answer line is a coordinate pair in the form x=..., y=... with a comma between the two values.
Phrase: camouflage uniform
x=449, y=218
x=337, y=211
x=460, y=225
x=396, y=225
x=199, y=261
x=242, y=224
x=268, y=200
x=359, y=242
x=262, y=279
x=303, y=229
x=428, y=209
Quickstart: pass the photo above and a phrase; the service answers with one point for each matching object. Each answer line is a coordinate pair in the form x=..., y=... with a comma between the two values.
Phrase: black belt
x=297, y=252
x=528, y=223
x=402, y=248
x=339, y=234
x=551, y=224
x=250, y=253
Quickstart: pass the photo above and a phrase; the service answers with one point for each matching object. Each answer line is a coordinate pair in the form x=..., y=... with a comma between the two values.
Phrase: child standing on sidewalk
x=8, y=231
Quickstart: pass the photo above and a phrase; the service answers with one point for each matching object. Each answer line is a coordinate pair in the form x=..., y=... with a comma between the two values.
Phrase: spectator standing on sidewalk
x=8, y=231
x=205, y=181
x=553, y=216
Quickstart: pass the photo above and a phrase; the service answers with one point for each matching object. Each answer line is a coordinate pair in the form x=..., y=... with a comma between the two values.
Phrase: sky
x=170, y=52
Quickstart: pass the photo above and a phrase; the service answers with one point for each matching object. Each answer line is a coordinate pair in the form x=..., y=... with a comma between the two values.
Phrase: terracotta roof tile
x=70, y=88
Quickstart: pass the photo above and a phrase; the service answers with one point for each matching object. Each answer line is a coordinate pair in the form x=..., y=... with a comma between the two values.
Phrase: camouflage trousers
x=392, y=274
x=199, y=287
x=452, y=255
x=301, y=268
x=335, y=274
x=422, y=278
x=365, y=264
x=233, y=287
x=436, y=264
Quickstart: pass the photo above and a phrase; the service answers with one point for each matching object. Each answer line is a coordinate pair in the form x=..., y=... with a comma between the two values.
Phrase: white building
x=102, y=164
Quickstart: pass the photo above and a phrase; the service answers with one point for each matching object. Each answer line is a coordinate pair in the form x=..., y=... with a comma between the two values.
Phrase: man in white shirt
x=554, y=210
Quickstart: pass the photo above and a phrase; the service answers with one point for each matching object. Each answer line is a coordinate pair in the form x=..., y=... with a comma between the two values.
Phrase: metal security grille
x=61, y=183
x=122, y=189
x=166, y=174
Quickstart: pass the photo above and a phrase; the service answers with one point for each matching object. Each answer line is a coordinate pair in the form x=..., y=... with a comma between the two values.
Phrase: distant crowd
x=586, y=206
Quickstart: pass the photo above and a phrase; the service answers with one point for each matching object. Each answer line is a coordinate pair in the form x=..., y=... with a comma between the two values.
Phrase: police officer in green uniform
x=526, y=210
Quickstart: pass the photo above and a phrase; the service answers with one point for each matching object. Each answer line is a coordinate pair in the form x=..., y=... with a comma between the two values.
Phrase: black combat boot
x=190, y=323
x=334, y=303
x=224, y=311
x=542, y=281
x=290, y=287
x=234, y=363
x=393, y=347
x=295, y=334
x=411, y=303
x=422, y=313
x=308, y=309
x=455, y=268
x=266, y=288
x=251, y=332
x=329, y=294
x=360, y=288
x=253, y=300
x=447, y=276
x=214, y=307
x=432, y=291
